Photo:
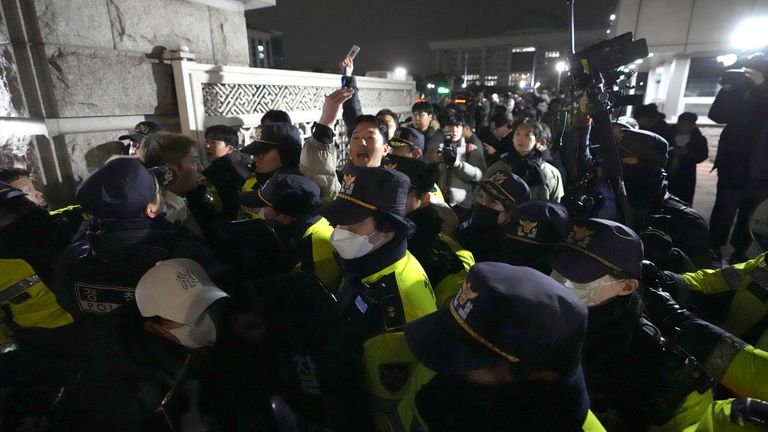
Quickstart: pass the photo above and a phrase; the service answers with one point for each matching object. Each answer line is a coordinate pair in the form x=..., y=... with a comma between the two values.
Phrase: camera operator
x=644, y=156
x=742, y=154
x=461, y=164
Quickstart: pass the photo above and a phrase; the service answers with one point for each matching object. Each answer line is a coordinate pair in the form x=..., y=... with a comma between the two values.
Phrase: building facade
x=685, y=38
x=525, y=57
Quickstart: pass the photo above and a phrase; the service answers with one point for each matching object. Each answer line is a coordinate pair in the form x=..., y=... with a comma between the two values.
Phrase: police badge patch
x=580, y=235
x=349, y=184
x=499, y=177
x=394, y=376
x=527, y=229
x=463, y=302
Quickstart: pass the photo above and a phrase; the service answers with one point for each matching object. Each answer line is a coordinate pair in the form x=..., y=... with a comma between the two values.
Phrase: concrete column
x=676, y=91
x=93, y=69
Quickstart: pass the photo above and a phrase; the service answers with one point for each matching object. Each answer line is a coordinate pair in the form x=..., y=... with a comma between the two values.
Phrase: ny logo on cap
x=349, y=184
x=580, y=235
x=186, y=279
x=463, y=301
x=499, y=177
x=527, y=228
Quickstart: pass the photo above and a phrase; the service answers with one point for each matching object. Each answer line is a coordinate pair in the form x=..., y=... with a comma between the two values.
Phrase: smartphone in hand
x=345, y=80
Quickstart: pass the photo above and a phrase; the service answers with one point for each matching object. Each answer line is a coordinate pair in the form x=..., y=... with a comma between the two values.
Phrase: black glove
x=749, y=411
x=449, y=156
x=710, y=345
x=670, y=283
x=662, y=309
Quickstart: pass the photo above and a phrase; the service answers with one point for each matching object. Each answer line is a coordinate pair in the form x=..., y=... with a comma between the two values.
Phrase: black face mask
x=449, y=403
x=485, y=218
x=644, y=190
x=481, y=234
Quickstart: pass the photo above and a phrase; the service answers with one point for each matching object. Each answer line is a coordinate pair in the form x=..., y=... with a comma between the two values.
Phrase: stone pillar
x=676, y=90
x=82, y=72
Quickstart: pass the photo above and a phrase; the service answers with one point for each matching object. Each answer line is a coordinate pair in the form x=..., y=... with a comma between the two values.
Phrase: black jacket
x=227, y=174
x=682, y=169
x=95, y=282
x=744, y=111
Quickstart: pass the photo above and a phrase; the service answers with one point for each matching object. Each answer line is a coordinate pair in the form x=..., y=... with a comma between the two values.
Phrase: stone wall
x=91, y=69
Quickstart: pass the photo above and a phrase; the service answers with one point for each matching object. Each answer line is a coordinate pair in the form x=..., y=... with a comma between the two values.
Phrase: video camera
x=736, y=74
x=602, y=63
x=597, y=72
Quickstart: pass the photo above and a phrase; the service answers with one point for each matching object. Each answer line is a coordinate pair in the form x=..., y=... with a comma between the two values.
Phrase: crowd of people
x=464, y=269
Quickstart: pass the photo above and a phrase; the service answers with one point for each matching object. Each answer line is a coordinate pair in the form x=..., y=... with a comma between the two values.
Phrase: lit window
x=552, y=54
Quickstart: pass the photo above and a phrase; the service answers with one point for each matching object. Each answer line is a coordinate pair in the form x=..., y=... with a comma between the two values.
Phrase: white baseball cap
x=177, y=289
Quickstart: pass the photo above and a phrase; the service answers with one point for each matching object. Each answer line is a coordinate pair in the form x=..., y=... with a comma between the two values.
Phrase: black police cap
x=367, y=191
x=286, y=192
x=502, y=312
x=538, y=222
x=405, y=135
x=121, y=189
x=421, y=174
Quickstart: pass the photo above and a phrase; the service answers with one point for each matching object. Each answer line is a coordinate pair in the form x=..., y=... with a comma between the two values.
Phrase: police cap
x=507, y=188
x=280, y=135
x=286, y=192
x=597, y=247
x=502, y=312
x=7, y=192
x=405, y=135
x=121, y=189
x=538, y=222
x=367, y=191
x=421, y=174
x=140, y=131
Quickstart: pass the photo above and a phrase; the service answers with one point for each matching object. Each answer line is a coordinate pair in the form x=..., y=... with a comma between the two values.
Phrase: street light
x=750, y=34
x=560, y=67
x=727, y=59
x=400, y=72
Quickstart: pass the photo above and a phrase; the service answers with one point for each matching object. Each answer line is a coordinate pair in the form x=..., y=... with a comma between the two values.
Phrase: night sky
x=318, y=33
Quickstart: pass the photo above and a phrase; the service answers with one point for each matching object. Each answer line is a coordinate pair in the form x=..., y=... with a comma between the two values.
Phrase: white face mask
x=350, y=245
x=591, y=293
x=198, y=334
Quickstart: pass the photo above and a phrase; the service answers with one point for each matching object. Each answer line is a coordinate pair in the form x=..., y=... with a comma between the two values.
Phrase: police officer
x=407, y=142
x=138, y=143
x=533, y=230
x=482, y=233
x=636, y=380
x=385, y=286
x=289, y=203
x=283, y=338
x=729, y=360
x=506, y=352
x=95, y=283
x=278, y=146
x=69, y=218
x=38, y=343
x=445, y=260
